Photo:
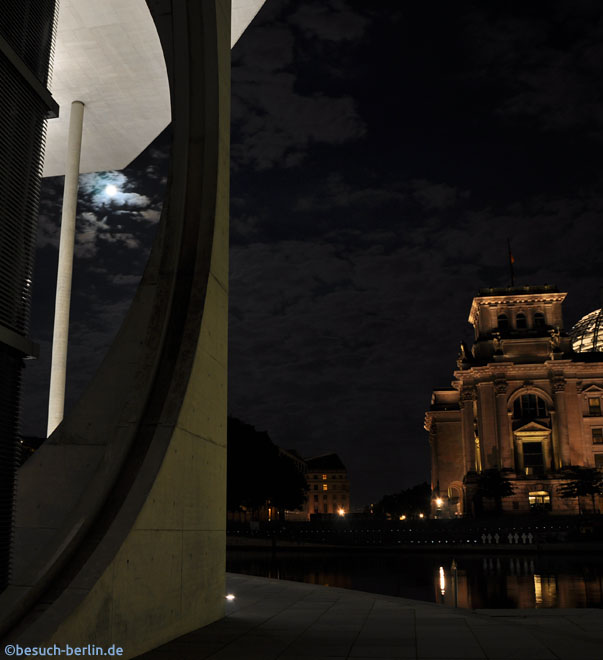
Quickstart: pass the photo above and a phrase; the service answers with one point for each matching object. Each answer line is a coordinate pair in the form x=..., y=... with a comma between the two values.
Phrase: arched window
x=529, y=406
x=521, y=323
x=539, y=320
x=503, y=322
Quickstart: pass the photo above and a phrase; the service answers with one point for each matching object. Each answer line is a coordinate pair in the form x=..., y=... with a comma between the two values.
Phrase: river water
x=488, y=581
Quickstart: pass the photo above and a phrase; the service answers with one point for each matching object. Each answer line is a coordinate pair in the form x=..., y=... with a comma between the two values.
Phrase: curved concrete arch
x=120, y=515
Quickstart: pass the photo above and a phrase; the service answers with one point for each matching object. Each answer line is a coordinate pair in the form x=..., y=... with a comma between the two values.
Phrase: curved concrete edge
x=120, y=515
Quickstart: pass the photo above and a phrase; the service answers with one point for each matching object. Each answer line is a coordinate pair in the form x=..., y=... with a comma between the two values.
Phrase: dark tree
x=258, y=473
x=491, y=484
x=582, y=481
x=409, y=502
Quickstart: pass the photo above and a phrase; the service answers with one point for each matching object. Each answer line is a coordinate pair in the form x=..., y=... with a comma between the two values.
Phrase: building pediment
x=532, y=428
x=593, y=388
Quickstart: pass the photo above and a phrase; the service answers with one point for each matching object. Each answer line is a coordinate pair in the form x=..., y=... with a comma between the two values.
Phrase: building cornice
x=515, y=299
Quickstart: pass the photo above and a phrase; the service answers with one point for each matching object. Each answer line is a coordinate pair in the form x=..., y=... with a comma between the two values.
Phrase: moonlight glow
x=111, y=190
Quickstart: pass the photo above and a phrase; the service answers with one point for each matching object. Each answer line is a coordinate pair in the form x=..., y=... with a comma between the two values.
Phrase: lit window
x=594, y=406
x=521, y=322
x=597, y=436
x=539, y=499
x=324, y=477
x=325, y=487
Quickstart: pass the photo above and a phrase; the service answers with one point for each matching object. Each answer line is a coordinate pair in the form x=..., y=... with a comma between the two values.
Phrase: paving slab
x=281, y=620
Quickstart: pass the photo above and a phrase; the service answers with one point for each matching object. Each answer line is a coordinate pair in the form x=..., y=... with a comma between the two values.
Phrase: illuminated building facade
x=26, y=44
x=526, y=399
x=328, y=486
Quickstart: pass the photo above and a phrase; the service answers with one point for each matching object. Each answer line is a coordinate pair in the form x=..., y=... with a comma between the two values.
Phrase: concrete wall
x=121, y=514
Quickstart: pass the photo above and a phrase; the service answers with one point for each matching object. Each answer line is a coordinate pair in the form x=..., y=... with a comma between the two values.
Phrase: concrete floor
x=272, y=619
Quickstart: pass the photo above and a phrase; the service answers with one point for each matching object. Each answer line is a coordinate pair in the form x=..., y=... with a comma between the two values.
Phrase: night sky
x=382, y=153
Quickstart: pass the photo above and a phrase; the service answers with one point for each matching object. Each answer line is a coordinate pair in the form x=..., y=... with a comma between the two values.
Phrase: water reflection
x=469, y=581
x=518, y=582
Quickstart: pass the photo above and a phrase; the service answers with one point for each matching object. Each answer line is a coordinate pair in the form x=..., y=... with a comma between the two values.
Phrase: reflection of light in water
x=545, y=591
x=442, y=581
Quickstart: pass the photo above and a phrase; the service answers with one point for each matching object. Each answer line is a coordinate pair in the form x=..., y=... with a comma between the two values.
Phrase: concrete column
x=56, y=399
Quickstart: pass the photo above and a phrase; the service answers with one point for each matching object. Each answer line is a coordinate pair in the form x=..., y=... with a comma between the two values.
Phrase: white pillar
x=56, y=400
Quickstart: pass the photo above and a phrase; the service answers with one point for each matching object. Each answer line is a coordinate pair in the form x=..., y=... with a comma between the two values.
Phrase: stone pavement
x=272, y=619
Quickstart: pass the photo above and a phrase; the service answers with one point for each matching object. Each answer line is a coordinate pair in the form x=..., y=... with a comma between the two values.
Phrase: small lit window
x=594, y=406
x=597, y=436
x=521, y=323
x=503, y=322
x=539, y=320
x=324, y=477
x=325, y=487
x=539, y=499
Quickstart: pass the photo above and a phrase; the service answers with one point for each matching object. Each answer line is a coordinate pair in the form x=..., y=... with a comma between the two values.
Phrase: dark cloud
x=382, y=155
x=274, y=123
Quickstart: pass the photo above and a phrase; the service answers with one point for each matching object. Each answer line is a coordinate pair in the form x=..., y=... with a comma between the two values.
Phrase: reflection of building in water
x=330, y=579
x=515, y=582
x=525, y=399
x=545, y=590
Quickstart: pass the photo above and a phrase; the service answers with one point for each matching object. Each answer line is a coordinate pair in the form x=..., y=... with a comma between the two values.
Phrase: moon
x=111, y=190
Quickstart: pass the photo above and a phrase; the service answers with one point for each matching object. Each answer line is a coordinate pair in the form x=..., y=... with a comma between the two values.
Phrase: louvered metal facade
x=26, y=43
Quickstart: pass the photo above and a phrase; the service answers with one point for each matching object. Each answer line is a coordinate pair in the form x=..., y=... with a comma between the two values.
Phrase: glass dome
x=587, y=334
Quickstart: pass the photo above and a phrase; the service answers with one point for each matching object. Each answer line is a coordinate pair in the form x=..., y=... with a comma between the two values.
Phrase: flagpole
x=511, y=262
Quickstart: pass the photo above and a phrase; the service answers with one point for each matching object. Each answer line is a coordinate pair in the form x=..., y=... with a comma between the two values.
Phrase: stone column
x=505, y=438
x=561, y=420
x=60, y=337
x=467, y=398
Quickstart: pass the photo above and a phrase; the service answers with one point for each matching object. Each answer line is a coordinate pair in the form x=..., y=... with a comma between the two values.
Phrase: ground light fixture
x=341, y=512
x=439, y=502
x=230, y=596
x=402, y=517
x=421, y=515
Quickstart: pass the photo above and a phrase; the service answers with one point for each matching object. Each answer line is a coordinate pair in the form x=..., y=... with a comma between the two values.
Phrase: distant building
x=525, y=399
x=328, y=486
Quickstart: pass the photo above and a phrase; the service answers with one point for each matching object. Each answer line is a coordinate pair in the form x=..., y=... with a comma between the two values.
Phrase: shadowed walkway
x=278, y=619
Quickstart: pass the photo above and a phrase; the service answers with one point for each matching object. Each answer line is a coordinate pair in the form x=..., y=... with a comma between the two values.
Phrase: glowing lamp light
x=230, y=597
x=111, y=190
x=402, y=517
x=442, y=581
x=421, y=515
x=341, y=512
x=439, y=501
